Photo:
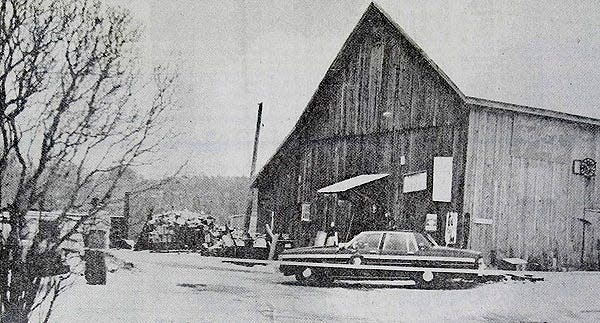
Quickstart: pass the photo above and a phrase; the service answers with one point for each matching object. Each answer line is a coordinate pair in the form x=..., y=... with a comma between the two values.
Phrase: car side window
x=422, y=242
x=412, y=244
x=396, y=242
x=368, y=241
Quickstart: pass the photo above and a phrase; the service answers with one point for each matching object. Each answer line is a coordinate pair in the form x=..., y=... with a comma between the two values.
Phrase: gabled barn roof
x=373, y=11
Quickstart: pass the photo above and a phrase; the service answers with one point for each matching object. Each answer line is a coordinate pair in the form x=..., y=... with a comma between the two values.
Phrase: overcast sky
x=234, y=54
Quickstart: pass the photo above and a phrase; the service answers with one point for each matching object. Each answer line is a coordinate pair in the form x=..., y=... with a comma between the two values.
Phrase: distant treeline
x=219, y=196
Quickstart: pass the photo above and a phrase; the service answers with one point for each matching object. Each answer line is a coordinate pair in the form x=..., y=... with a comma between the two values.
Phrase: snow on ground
x=192, y=288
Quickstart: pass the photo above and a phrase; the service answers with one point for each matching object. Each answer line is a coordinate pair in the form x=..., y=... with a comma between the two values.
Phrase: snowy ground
x=191, y=288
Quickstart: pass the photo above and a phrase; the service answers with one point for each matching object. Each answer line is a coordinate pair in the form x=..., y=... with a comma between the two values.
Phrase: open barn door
x=364, y=198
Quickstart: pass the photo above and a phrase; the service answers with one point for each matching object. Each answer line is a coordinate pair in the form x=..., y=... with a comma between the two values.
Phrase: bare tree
x=71, y=119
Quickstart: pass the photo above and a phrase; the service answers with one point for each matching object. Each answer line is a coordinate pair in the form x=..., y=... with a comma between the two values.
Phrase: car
x=382, y=248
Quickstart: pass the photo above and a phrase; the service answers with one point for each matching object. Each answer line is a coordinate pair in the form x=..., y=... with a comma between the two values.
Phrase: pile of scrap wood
x=188, y=231
x=177, y=230
x=191, y=231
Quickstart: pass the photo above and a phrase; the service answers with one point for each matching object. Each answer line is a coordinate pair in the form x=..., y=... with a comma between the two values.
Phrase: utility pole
x=256, y=136
x=251, y=198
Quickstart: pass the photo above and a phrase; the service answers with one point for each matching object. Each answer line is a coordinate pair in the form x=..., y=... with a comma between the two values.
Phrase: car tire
x=313, y=277
x=429, y=280
x=304, y=274
x=307, y=276
x=324, y=278
x=300, y=278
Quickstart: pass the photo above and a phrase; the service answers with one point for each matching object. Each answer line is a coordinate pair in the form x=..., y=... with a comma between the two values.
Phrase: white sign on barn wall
x=415, y=182
x=483, y=221
x=305, y=215
x=451, y=226
x=442, y=179
x=431, y=222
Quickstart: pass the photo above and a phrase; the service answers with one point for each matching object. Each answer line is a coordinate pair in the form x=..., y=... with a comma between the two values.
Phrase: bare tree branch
x=70, y=117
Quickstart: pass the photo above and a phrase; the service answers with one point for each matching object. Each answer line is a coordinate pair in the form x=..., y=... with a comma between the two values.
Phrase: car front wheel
x=313, y=277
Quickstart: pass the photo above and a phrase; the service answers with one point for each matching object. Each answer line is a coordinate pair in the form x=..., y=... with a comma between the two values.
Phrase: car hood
x=310, y=250
x=450, y=252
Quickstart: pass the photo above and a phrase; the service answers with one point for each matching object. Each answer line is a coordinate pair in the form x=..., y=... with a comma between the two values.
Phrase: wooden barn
x=388, y=138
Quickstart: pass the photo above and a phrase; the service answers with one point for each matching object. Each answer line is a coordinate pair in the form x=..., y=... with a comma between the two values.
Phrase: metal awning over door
x=351, y=183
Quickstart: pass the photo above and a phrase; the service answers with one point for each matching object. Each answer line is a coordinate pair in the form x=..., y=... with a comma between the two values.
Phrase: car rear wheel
x=429, y=280
x=304, y=274
x=324, y=278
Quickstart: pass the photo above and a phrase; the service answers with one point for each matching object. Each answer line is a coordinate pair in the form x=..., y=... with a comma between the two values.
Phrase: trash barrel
x=248, y=249
x=95, y=267
x=260, y=249
x=95, y=264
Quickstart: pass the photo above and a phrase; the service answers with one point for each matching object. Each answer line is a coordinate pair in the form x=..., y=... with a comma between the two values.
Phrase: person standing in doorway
x=332, y=236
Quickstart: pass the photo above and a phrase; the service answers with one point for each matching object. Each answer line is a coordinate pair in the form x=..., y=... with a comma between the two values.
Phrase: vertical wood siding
x=519, y=175
x=384, y=101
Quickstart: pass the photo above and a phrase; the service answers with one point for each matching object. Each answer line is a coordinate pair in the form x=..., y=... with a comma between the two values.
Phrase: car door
x=398, y=249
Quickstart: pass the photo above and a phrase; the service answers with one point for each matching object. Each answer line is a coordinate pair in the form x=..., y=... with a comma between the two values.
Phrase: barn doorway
x=361, y=204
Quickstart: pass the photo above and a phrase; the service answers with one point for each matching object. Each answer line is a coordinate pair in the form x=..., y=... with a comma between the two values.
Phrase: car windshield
x=424, y=241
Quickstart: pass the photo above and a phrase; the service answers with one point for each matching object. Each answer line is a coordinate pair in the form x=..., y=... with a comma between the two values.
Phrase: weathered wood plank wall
x=519, y=175
x=383, y=101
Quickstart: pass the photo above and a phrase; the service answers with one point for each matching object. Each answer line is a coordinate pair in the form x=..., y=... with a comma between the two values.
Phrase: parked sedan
x=382, y=248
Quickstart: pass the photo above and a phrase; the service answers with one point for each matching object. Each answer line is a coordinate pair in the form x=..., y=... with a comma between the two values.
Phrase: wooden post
x=256, y=136
x=126, y=211
x=583, y=243
x=587, y=204
x=95, y=264
x=274, y=239
x=584, y=223
x=251, y=198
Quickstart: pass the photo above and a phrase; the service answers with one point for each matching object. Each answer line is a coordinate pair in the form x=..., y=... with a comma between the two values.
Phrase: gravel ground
x=191, y=288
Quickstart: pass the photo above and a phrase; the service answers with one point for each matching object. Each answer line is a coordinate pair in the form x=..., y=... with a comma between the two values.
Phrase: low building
x=52, y=224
